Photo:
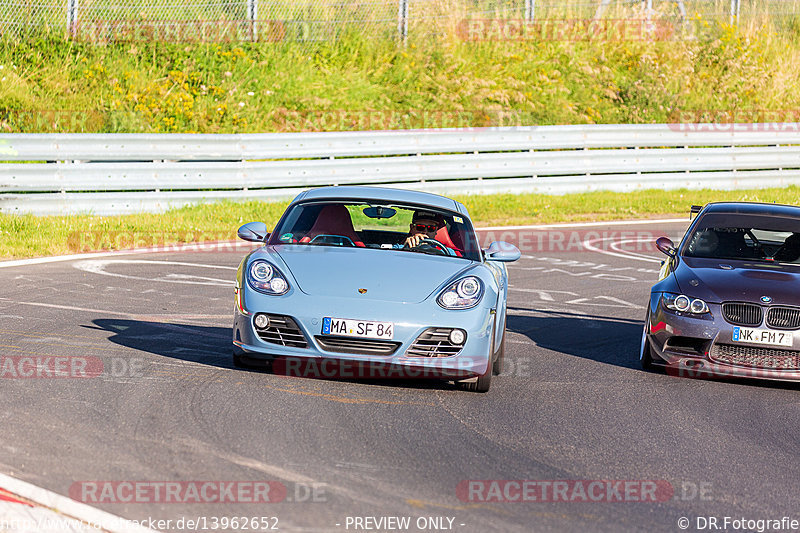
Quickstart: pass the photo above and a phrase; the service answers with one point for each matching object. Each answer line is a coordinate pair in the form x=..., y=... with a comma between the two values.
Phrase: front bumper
x=410, y=321
x=704, y=347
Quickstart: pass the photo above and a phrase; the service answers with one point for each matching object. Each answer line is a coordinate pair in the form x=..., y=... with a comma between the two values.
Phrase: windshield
x=759, y=238
x=380, y=226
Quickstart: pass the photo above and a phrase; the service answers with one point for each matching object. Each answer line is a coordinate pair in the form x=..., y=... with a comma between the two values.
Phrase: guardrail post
x=402, y=19
x=735, y=12
x=72, y=18
x=530, y=6
x=252, y=15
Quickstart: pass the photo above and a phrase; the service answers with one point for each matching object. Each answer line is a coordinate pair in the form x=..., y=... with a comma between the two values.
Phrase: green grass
x=31, y=236
x=51, y=84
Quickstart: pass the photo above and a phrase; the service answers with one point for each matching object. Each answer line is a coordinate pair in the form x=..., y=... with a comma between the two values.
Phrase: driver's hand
x=413, y=240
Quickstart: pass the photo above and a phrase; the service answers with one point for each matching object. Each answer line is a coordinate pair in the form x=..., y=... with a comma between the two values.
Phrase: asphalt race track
x=165, y=404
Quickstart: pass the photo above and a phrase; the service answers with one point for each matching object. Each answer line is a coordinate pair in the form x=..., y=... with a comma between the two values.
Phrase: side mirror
x=666, y=246
x=502, y=251
x=254, y=232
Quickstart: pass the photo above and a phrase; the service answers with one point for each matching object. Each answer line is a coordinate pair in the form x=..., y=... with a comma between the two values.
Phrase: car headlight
x=264, y=277
x=684, y=304
x=463, y=294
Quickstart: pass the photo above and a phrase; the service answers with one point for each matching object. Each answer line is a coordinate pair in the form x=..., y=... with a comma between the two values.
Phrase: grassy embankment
x=49, y=84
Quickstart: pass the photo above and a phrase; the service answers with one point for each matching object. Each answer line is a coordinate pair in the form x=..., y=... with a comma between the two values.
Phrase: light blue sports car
x=367, y=282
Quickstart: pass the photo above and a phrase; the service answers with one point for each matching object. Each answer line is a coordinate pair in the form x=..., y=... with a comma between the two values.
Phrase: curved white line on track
x=587, y=224
x=615, y=245
x=226, y=245
x=98, y=266
x=589, y=245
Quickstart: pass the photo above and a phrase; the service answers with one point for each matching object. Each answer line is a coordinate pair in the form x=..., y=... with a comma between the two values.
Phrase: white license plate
x=357, y=328
x=762, y=336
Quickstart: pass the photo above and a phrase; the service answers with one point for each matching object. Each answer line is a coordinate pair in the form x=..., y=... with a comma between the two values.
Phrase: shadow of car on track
x=611, y=340
x=212, y=345
x=605, y=339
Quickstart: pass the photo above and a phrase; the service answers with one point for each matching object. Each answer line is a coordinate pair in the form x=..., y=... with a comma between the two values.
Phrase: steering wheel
x=431, y=244
x=757, y=248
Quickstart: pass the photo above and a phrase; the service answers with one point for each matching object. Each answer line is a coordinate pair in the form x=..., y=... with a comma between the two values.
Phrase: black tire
x=646, y=354
x=483, y=382
x=238, y=361
x=500, y=356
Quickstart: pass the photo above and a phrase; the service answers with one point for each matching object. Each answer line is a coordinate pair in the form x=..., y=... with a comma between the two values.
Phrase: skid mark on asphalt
x=279, y=472
x=485, y=434
x=358, y=400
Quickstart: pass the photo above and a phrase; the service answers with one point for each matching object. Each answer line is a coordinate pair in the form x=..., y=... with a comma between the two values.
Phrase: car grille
x=742, y=314
x=283, y=330
x=775, y=358
x=434, y=342
x=783, y=318
x=357, y=346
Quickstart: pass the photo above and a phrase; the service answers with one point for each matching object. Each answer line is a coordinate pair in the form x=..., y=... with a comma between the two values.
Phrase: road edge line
x=70, y=508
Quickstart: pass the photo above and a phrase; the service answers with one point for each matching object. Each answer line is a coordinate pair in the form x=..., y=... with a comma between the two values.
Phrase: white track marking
x=615, y=245
x=587, y=224
x=121, y=313
x=69, y=507
x=543, y=294
x=223, y=245
x=589, y=245
x=98, y=266
x=618, y=302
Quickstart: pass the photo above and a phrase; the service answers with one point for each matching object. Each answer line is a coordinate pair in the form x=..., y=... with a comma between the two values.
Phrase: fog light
x=457, y=336
x=262, y=321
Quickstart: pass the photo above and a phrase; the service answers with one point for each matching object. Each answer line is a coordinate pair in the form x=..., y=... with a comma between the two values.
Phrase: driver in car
x=424, y=225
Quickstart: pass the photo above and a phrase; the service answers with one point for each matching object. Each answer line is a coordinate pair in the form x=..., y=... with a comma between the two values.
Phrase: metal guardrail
x=110, y=174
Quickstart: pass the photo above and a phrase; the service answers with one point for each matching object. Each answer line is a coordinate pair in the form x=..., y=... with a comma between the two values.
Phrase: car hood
x=387, y=275
x=743, y=281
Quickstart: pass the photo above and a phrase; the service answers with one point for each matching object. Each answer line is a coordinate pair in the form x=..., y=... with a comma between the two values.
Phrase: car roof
x=752, y=208
x=382, y=194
